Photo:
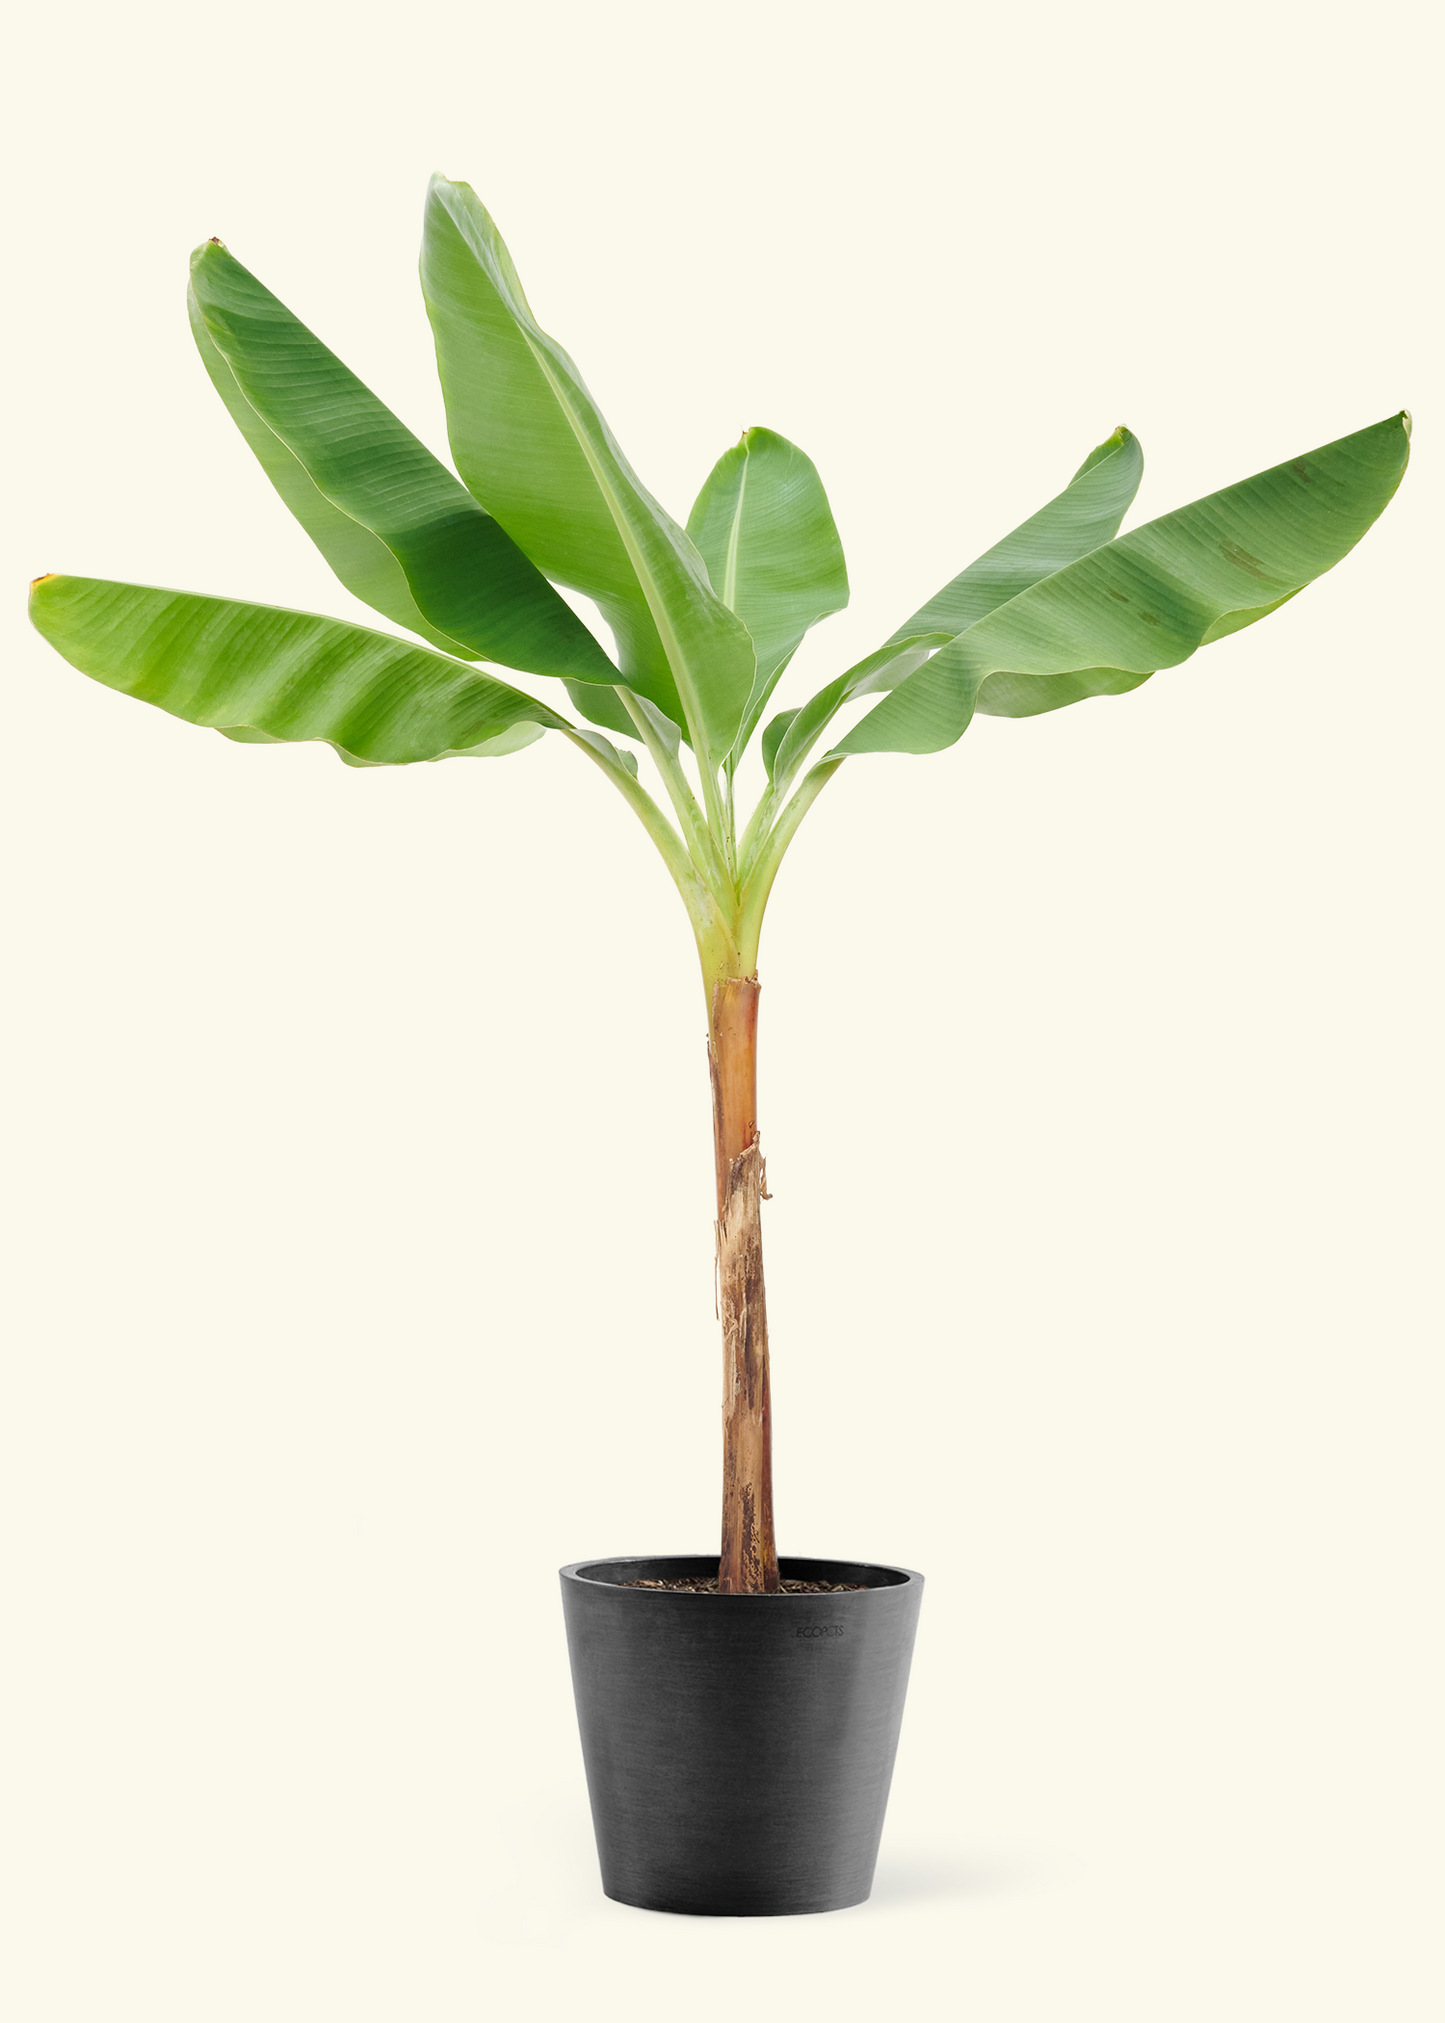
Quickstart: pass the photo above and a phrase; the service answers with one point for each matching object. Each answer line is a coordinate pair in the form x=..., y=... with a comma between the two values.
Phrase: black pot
x=738, y=1748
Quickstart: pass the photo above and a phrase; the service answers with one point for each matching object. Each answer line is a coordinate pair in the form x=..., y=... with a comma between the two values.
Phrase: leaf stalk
x=703, y=848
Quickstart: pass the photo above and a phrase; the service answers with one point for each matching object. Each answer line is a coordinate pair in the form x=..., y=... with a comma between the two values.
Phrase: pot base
x=739, y=1748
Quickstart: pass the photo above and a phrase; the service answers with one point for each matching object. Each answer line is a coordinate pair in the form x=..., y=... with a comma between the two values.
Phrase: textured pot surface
x=739, y=1748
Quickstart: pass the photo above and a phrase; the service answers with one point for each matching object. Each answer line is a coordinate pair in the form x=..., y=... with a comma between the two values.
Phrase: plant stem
x=702, y=847
x=749, y=1559
x=730, y=847
x=709, y=928
x=754, y=836
x=754, y=896
x=727, y=918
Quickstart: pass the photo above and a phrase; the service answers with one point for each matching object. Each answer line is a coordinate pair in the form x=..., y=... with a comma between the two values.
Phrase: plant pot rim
x=875, y=1576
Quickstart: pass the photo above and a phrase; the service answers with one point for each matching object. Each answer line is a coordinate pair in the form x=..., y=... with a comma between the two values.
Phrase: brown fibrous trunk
x=749, y=1562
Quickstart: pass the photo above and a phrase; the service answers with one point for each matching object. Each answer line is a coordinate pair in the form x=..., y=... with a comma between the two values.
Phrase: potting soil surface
x=789, y=1587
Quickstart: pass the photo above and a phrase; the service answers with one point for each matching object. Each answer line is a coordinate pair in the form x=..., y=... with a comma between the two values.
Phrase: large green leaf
x=1084, y=516
x=1149, y=599
x=364, y=564
x=531, y=445
x=399, y=530
x=763, y=526
x=1086, y=513
x=287, y=674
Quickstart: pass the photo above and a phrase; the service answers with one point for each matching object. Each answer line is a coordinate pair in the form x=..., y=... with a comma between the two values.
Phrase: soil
x=789, y=1587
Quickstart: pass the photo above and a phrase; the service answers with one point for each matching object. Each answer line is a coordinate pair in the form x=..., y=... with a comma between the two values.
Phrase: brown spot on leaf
x=1242, y=559
x=1118, y=597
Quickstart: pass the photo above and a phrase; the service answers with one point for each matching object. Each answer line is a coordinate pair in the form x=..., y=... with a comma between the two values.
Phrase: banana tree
x=703, y=622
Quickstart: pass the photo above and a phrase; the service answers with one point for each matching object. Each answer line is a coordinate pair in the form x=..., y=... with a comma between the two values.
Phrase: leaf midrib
x=729, y=592
x=656, y=604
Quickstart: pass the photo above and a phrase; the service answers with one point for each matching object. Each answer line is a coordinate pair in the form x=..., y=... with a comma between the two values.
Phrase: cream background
x=359, y=1224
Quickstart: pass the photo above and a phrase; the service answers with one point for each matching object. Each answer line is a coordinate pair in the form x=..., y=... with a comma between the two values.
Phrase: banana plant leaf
x=514, y=740
x=397, y=527
x=1150, y=599
x=1085, y=515
x=763, y=526
x=533, y=448
x=273, y=675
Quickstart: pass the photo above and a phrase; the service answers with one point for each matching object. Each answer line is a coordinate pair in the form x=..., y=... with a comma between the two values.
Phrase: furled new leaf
x=399, y=530
x=533, y=448
x=1084, y=516
x=290, y=675
x=1151, y=598
x=763, y=526
x=773, y=735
